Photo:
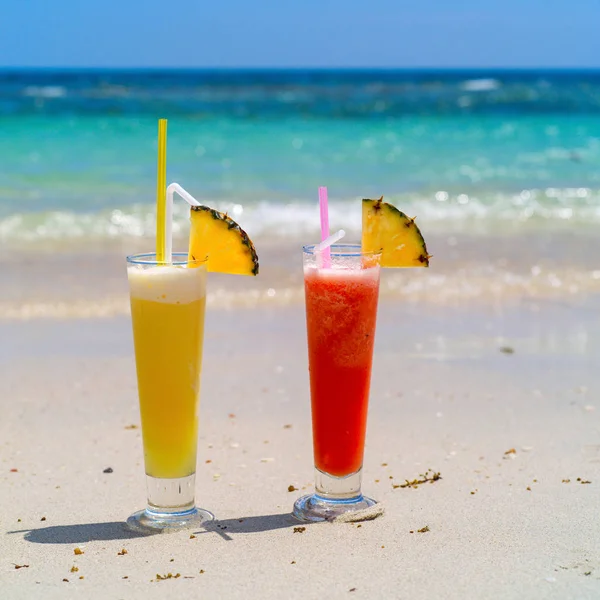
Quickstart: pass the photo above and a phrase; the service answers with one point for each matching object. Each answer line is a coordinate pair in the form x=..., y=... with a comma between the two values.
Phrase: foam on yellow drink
x=167, y=310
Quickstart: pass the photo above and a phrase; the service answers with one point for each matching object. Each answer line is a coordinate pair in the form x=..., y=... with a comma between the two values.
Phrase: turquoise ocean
x=482, y=150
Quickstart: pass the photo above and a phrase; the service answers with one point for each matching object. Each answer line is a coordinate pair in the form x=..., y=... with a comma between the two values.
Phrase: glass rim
x=342, y=250
x=148, y=259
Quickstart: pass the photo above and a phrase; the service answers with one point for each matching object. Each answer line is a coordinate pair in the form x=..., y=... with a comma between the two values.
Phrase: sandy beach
x=496, y=391
x=483, y=440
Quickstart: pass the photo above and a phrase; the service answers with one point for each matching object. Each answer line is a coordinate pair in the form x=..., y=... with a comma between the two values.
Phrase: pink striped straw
x=324, y=212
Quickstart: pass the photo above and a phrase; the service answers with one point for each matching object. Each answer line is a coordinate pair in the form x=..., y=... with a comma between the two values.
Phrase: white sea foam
x=45, y=91
x=480, y=85
x=167, y=284
x=440, y=210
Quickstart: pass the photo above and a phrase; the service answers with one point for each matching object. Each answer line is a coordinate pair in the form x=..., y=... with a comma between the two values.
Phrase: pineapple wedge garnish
x=385, y=228
x=223, y=241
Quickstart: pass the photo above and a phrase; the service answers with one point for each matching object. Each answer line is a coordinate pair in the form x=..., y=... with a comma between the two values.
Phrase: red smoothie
x=341, y=312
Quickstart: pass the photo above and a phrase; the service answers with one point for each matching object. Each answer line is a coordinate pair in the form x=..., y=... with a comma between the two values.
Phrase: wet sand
x=494, y=270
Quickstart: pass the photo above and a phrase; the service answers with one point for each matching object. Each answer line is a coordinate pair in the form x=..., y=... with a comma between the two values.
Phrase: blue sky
x=300, y=33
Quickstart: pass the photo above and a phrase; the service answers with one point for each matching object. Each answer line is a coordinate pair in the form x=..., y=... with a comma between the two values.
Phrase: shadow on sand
x=78, y=534
x=243, y=525
x=116, y=530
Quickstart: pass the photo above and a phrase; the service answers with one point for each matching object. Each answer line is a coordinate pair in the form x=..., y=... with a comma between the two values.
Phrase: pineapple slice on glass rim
x=214, y=237
x=386, y=228
x=217, y=236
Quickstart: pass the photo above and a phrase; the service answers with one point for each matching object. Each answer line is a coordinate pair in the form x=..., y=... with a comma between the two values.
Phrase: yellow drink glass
x=167, y=312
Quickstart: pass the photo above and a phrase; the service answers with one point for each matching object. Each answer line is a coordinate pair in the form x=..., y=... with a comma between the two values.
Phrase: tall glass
x=167, y=312
x=341, y=312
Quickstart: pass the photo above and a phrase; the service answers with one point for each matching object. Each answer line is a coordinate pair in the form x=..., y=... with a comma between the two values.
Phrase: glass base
x=149, y=522
x=336, y=497
x=315, y=508
x=171, y=507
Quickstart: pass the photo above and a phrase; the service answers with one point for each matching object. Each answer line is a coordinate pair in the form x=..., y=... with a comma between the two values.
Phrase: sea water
x=472, y=149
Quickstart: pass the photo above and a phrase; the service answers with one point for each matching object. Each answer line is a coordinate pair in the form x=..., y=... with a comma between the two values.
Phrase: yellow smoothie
x=167, y=310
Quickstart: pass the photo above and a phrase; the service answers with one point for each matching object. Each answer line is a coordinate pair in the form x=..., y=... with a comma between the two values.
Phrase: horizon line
x=296, y=68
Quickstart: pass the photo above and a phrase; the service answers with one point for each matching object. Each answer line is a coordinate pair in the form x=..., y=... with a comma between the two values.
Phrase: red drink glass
x=341, y=311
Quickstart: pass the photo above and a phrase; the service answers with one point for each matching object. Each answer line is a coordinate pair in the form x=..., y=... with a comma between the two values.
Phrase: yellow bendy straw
x=161, y=191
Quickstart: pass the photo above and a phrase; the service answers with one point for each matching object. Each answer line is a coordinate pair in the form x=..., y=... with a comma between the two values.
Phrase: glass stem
x=332, y=488
x=171, y=496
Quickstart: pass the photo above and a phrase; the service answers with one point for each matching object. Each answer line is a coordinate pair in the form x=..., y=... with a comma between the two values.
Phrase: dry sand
x=503, y=402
